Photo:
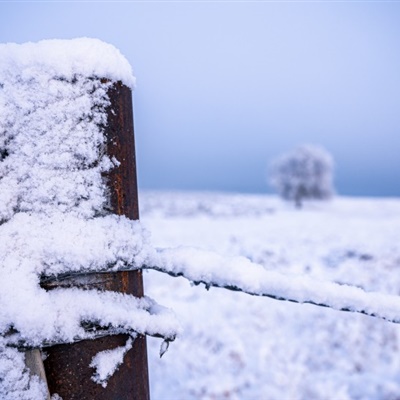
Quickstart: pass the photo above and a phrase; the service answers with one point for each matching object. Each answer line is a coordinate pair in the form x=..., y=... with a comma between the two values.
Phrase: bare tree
x=304, y=173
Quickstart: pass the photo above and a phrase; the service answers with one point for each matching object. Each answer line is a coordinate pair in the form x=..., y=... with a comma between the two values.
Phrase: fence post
x=67, y=366
x=34, y=362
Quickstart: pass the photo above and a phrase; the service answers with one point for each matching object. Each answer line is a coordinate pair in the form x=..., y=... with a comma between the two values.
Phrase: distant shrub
x=304, y=173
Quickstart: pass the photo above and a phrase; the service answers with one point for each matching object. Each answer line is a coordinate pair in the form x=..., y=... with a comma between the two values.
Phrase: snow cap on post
x=66, y=58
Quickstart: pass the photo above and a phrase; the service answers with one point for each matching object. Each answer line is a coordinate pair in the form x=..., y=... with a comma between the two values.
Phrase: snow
x=65, y=59
x=50, y=139
x=237, y=346
x=15, y=382
x=238, y=273
x=107, y=362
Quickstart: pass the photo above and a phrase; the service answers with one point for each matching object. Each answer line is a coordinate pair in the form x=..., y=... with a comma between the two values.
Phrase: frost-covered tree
x=304, y=173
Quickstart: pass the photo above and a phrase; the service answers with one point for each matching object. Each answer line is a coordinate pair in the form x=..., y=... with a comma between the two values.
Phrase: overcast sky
x=224, y=87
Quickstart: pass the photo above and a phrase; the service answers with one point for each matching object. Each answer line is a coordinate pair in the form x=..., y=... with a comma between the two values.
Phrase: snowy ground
x=235, y=346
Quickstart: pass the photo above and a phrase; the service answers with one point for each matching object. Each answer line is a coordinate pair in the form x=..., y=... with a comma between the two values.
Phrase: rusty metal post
x=67, y=366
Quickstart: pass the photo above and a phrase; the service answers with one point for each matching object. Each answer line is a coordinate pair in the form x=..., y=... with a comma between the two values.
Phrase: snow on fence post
x=68, y=365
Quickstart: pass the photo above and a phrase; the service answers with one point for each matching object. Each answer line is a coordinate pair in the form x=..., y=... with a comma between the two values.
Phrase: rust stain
x=119, y=194
x=124, y=282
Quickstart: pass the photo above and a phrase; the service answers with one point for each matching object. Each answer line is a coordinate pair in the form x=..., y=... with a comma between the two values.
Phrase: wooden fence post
x=67, y=365
x=34, y=362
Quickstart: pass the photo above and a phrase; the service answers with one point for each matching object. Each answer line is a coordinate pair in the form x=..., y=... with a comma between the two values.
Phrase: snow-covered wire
x=242, y=275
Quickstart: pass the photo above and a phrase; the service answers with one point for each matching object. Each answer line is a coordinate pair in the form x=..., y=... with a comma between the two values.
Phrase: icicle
x=164, y=347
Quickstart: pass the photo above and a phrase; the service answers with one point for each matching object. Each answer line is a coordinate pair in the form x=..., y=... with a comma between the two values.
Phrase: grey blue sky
x=224, y=87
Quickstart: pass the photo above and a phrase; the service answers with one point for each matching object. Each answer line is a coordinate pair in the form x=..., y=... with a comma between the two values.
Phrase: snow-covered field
x=235, y=346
